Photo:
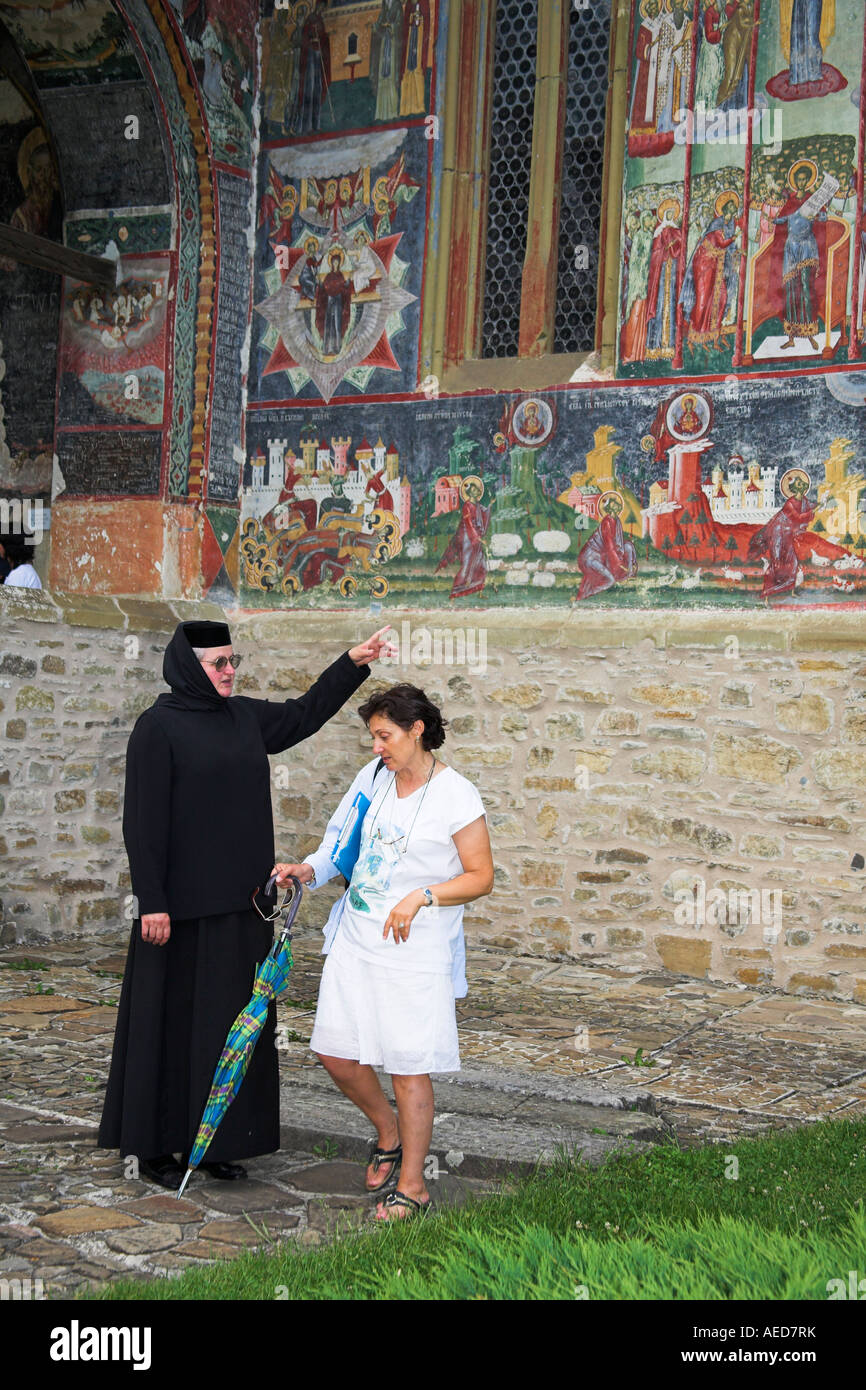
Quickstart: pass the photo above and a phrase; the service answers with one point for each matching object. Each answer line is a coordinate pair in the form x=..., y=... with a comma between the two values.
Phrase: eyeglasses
x=264, y=900
x=222, y=662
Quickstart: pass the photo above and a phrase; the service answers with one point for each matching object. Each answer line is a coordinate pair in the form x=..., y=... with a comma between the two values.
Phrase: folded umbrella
x=270, y=980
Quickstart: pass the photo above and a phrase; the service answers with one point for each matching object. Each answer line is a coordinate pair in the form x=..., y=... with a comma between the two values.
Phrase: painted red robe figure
x=609, y=555
x=377, y=487
x=466, y=547
x=785, y=540
x=333, y=305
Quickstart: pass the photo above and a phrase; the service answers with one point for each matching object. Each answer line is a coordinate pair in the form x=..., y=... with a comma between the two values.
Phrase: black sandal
x=378, y=1157
x=399, y=1199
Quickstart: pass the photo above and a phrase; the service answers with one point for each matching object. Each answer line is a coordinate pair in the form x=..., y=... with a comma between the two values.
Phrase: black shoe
x=164, y=1170
x=226, y=1172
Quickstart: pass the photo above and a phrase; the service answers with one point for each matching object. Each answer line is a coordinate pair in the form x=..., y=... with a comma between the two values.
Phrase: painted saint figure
x=805, y=29
x=808, y=26
x=644, y=119
x=776, y=542
x=609, y=555
x=385, y=59
x=309, y=276
x=466, y=546
x=733, y=94
x=675, y=64
x=801, y=257
x=663, y=291
x=710, y=286
x=416, y=35
x=711, y=58
x=314, y=73
x=633, y=341
x=334, y=304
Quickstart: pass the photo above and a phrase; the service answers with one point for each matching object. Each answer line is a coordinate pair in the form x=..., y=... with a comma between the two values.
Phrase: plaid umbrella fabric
x=270, y=981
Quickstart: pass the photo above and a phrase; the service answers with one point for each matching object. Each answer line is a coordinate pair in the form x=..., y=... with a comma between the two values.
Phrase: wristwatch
x=428, y=897
x=312, y=883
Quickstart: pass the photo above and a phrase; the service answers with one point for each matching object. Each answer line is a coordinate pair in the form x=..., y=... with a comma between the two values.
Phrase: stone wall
x=677, y=790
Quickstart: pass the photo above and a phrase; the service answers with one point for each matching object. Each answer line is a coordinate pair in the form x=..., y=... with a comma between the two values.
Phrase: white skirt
x=403, y=1021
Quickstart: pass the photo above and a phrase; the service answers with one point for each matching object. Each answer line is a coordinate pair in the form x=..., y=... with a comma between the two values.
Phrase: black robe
x=198, y=829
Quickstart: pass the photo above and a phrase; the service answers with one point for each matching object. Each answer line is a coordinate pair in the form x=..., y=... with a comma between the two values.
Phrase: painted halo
x=605, y=497
x=32, y=141
x=669, y=205
x=788, y=478
x=478, y=484
x=701, y=407
x=644, y=6
x=803, y=164
x=726, y=197
x=544, y=415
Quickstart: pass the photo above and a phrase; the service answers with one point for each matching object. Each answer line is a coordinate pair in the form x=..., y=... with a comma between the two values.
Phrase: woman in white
x=394, y=941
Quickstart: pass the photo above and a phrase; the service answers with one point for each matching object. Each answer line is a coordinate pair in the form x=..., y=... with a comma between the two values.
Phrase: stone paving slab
x=548, y=1049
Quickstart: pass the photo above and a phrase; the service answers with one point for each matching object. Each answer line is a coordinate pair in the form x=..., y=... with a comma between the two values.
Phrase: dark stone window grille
x=514, y=63
x=582, y=178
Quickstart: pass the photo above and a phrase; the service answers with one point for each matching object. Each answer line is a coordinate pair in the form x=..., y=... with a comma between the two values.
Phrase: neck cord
x=405, y=837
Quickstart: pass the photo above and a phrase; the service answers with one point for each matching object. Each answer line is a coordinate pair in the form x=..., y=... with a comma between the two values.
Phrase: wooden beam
x=50, y=255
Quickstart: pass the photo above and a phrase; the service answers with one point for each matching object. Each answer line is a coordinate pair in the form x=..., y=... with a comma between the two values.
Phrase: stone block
x=668, y=695
x=624, y=936
x=520, y=696
x=761, y=846
x=590, y=695
x=568, y=725
x=737, y=694
x=540, y=873
x=540, y=756
x=593, y=760
x=95, y=834
x=686, y=955
x=802, y=982
x=296, y=807
x=16, y=729
x=108, y=801
x=549, y=784
x=514, y=723
x=484, y=755
x=854, y=726
x=54, y=665
x=69, y=801
x=631, y=898
x=81, y=611
x=31, y=697
x=754, y=757
x=809, y=714
x=845, y=950
x=11, y=664
x=83, y=771
x=835, y=769
x=623, y=723
x=672, y=764
x=85, y=1220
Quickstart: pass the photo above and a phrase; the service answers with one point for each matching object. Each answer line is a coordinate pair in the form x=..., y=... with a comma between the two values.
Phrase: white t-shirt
x=23, y=577
x=406, y=843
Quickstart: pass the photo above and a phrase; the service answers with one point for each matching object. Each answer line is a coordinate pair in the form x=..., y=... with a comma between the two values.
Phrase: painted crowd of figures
x=302, y=67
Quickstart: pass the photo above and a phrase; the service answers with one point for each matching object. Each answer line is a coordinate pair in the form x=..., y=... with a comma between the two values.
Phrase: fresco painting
x=340, y=275
x=768, y=201
x=113, y=346
x=681, y=499
x=29, y=298
x=334, y=66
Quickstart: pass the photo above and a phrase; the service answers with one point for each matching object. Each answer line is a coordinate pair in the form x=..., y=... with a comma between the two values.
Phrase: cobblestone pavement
x=724, y=1061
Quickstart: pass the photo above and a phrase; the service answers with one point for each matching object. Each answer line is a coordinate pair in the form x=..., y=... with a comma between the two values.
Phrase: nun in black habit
x=198, y=830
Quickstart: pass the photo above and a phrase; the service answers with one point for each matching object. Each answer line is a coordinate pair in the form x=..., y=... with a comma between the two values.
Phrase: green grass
x=666, y=1223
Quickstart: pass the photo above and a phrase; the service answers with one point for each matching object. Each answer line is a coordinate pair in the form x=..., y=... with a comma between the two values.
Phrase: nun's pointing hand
x=374, y=648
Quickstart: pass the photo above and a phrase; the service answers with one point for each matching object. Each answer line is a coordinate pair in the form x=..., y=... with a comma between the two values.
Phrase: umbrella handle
x=292, y=913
